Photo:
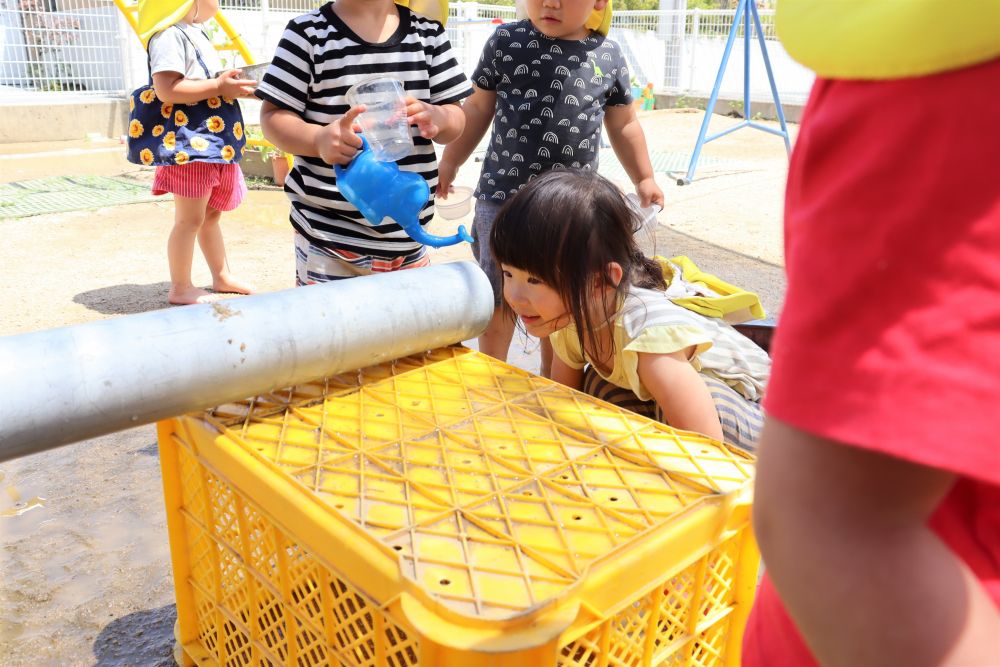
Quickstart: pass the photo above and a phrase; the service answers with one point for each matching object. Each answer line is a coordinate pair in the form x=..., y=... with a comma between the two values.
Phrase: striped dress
x=318, y=58
x=734, y=369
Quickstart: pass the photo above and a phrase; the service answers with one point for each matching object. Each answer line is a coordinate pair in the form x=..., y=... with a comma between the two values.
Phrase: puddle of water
x=17, y=499
x=22, y=506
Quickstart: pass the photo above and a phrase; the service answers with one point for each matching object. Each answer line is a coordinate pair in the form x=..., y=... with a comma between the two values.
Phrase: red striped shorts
x=223, y=184
x=319, y=264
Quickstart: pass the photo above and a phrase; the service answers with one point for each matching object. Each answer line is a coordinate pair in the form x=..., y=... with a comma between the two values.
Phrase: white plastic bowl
x=457, y=205
x=255, y=72
x=645, y=235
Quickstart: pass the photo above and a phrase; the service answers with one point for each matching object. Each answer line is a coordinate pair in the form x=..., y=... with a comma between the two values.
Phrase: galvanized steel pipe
x=69, y=384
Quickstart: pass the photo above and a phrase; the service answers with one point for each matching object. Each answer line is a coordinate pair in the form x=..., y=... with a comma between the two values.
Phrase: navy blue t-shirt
x=551, y=96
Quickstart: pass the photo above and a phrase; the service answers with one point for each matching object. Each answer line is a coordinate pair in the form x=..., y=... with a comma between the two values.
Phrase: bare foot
x=231, y=285
x=189, y=295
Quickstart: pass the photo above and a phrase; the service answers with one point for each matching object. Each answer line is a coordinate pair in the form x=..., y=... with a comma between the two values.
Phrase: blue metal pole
x=746, y=57
x=746, y=11
x=713, y=98
x=770, y=80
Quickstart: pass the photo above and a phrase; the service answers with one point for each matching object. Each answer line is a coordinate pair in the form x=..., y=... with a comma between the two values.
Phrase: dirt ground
x=85, y=567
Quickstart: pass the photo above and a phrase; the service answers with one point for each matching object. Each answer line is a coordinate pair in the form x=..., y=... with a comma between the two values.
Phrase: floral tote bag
x=169, y=134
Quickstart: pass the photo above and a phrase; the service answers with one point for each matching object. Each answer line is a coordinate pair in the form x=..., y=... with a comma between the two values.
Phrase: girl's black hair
x=564, y=228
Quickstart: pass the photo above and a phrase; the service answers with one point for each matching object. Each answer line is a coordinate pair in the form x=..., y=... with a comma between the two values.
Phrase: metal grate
x=69, y=193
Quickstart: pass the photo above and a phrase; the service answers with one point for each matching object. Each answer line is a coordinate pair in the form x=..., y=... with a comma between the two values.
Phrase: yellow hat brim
x=432, y=9
x=600, y=19
x=158, y=15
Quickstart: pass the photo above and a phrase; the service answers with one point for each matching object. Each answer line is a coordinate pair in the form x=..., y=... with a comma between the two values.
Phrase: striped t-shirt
x=318, y=58
x=650, y=322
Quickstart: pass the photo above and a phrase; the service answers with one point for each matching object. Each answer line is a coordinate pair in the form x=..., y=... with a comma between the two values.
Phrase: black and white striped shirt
x=318, y=58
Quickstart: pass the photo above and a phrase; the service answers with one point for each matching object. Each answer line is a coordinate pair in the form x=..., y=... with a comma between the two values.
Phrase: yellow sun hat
x=600, y=19
x=888, y=39
x=432, y=9
x=158, y=15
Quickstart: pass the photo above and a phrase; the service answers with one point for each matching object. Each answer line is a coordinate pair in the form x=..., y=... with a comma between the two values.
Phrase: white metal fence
x=86, y=46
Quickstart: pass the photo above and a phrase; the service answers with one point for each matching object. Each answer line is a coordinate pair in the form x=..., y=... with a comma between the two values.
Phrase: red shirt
x=890, y=335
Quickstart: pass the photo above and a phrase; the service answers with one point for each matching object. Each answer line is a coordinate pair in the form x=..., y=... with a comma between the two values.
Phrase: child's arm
x=441, y=122
x=173, y=88
x=680, y=392
x=478, y=110
x=335, y=143
x=565, y=374
x=844, y=533
x=629, y=142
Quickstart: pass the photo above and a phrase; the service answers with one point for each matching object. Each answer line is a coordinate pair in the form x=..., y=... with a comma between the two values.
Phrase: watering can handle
x=339, y=169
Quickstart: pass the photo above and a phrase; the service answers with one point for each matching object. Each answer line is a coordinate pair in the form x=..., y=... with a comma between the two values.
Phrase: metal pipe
x=69, y=384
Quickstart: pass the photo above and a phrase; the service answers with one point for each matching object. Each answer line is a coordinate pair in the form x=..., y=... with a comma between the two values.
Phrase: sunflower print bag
x=169, y=134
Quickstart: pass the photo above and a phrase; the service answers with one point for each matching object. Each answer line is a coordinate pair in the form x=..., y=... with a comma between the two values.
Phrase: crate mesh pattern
x=495, y=490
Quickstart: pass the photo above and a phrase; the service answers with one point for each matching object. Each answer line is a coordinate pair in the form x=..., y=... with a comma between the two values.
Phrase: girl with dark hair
x=572, y=272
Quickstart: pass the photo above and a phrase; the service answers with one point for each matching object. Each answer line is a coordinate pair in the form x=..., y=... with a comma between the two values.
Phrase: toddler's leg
x=189, y=215
x=228, y=191
x=742, y=420
x=600, y=388
x=214, y=250
x=495, y=341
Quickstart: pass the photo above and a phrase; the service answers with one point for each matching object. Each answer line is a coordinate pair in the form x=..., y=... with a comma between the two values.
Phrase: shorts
x=741, y=420
x=320, y=264
x=223, y=183
x=482, y=227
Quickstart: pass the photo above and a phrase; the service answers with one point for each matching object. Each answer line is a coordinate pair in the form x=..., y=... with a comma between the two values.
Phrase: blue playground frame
x=745, y=11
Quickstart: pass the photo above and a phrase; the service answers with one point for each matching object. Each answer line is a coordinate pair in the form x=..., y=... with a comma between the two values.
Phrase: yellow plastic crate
x=449, y=509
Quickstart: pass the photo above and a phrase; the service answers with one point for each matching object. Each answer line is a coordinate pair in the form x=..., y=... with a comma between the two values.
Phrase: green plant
x=684, y=102
x=266, y=150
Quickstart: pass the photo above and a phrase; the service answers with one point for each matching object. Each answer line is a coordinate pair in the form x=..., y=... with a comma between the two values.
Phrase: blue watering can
x=381, y=190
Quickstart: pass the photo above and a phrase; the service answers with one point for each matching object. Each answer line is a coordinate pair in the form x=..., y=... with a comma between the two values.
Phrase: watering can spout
x=417, y=233
x=365, y=183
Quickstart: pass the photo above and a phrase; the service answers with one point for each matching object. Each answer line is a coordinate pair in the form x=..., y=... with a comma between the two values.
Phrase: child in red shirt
x=877, y=505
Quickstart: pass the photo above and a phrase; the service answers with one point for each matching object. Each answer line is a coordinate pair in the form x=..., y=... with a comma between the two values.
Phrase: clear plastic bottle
x=645, y=234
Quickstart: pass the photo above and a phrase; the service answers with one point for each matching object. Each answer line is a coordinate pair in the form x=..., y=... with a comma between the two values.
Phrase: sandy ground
x=85, y=566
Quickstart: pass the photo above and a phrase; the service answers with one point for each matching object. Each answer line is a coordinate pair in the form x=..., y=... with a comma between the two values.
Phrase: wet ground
x=84, y=559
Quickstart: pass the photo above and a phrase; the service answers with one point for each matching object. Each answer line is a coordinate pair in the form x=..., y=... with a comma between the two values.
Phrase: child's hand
x=427, y=117
x=649, y=193
x=231, y=85
x=337, y=143
x=447, y=171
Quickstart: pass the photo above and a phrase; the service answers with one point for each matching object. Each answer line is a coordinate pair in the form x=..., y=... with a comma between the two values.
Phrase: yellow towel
x=158, y=15
x=888, y=39
x=721, y=300
x=600, y=19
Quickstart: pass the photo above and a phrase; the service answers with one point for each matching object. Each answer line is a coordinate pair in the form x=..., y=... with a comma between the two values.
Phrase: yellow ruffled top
x=888, y=39
x=649, y=322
